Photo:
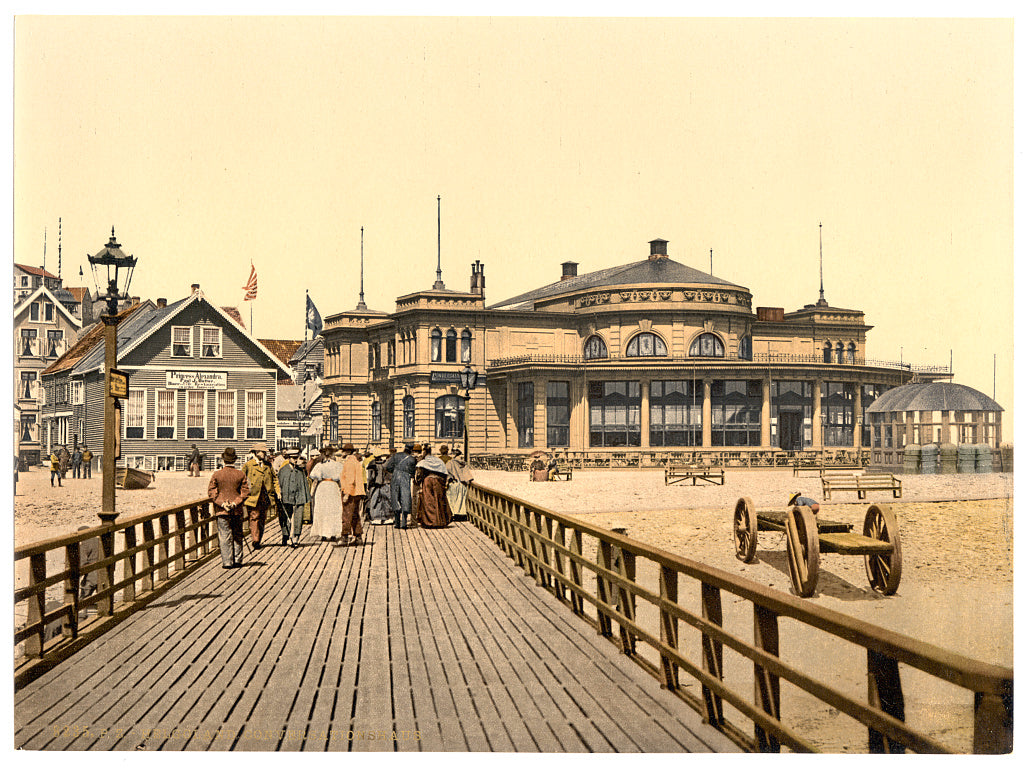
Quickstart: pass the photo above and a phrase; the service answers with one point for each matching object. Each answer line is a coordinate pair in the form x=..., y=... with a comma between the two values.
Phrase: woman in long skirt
x=459, y=477
x=434, y=511
x=327, y=499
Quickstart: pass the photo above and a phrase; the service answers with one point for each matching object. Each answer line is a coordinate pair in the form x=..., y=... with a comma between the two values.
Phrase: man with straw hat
x=352, y=492
x=264, y=491
x=228, y=488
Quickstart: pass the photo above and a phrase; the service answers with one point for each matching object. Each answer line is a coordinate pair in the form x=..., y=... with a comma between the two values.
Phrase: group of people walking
x=79, y=462
x=409, y=488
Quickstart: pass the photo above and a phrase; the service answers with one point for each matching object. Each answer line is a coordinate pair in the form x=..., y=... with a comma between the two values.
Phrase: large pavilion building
x=652, y=355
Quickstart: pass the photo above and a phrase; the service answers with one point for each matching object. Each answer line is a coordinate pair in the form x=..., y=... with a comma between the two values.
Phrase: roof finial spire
x=821, y=273
x=439, y=284
x=362, y=304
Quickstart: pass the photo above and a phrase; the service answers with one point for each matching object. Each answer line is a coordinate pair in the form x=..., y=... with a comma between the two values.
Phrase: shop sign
x=196, y=380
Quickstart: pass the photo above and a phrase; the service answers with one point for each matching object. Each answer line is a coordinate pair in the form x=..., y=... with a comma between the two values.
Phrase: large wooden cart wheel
x=744, y=530
x=884, y=570
x=802, y=547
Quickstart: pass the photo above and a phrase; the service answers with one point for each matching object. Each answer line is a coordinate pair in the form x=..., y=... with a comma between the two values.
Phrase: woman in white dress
x=326, y=477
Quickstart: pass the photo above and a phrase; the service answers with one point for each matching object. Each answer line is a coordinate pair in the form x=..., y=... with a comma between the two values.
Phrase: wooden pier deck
x=420, y=640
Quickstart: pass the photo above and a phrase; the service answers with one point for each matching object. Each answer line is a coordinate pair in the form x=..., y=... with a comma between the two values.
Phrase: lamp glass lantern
x=467, y=378
x=110, y=267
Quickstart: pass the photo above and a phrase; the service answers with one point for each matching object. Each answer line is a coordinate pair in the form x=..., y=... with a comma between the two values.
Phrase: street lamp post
x=119, y=266
x=467, y=378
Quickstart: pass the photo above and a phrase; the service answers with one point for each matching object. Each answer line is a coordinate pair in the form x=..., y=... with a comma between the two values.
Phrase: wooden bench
x=676, y=473
x=561, y=472
x=818, y=468
x=861, y=484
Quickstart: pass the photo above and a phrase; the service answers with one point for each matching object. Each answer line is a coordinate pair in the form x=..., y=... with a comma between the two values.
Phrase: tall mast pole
x=362, y=304
x=821, y=271
x=439, y=284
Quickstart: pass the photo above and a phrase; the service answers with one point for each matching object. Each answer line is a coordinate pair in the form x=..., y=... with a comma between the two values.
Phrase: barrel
x=929, y=458
x=947, y=458
x=983, y=459
x=912, y=459
x=965, y=454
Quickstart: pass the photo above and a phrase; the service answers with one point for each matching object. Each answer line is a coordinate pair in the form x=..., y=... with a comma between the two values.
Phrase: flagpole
x=305, y=351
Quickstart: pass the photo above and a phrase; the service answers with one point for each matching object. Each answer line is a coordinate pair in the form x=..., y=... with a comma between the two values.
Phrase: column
x=540, y=413
x=816, y=437
x=645, y=414
x=581, y=422
x=944, y=436
x=510, y=423
x=766, y=413
x=705, y=439
x=858, y=415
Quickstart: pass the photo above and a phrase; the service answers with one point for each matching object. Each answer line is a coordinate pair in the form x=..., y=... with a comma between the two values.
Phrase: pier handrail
x=170, y=543
x=549, y=546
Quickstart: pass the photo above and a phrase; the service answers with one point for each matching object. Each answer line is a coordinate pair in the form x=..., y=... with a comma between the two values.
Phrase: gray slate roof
x=646, y=271
x=137, y=325
x=933, y=396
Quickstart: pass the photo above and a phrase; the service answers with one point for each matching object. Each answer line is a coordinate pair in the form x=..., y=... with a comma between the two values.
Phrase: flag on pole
x=250, y=286
x=313, y=320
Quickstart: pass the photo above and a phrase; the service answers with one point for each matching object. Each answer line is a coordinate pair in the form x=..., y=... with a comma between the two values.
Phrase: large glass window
x=77, y=389
x=792, y=404
x=467, y=346
x=332, y=423
x=646, y=344
x=837, y=412
x=28, y=427
x=524, y=413
x=135, y=414
x=409, y=417
x=28, y=384
x=736, y=413
x=54, y=337
x=707, y=345
x=375, y=421
x=746, y=349
x=435, y=345
x=451, y=340
x=254, y=416
x=595, y=348
x=826, y=353
x=195, y=414
x=449, y=414
x=868, y=394
x=614, y=413
x=226, y=414
x=558, y=413
x=166, y=413
x=33, y=311
x=676, y=418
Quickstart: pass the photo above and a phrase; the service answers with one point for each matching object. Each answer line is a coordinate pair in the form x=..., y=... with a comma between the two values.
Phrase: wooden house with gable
x=196, y=377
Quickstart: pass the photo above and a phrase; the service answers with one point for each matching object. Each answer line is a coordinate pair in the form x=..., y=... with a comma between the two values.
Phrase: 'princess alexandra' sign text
x=195, y=380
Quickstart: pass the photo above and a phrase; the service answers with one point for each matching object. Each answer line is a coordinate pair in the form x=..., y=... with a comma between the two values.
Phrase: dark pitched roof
x=35, y=271
x=92, y=337
x=306, y=347
x=646, y=271
x=933, y=396
x=78, y=292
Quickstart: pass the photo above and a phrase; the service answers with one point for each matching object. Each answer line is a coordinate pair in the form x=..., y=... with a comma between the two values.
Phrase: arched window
x=467, y=346
x=826, y=353
x=332, y=424
x=435, y=345
x=595, y=348
x=839, y=353
x=409, y=416
x=373, y=363
x=449, y=413
x=707, y=345
x=450, y=340
x=375, y=421
x=851, y=353
x=646, y=344
x=746, y=349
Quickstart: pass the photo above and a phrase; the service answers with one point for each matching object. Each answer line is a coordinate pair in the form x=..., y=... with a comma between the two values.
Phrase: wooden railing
x=636, y=595
x=139, y=557
x=655, y=458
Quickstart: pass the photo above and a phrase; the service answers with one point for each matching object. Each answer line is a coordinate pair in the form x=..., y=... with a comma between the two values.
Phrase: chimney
x=659, y=249
x=476, y=278
x=195, y=288
x=161, y=302
x=569, y=270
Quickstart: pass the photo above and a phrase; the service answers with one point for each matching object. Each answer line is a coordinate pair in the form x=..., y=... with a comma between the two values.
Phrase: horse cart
x=807, y=537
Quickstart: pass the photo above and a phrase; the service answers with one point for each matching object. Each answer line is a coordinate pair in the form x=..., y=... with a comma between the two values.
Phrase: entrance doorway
x=791, y=430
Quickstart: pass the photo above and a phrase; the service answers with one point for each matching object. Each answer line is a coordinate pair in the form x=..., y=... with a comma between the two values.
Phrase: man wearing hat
x=228, y=488
x=352, y=492
x=401, y=466
x=796, y=499
x=264, y=491
x=291, y=477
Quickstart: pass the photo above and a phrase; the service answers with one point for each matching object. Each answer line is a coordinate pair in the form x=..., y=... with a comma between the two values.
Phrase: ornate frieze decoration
x=663, y=295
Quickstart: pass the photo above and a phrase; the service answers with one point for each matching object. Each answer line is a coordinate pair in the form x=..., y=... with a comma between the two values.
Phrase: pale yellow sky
x=210, y=142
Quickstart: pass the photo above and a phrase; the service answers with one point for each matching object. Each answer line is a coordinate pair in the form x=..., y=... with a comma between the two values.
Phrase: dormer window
x=646, y=344
x=181, y=341
x=707, y=345
x=211, y=342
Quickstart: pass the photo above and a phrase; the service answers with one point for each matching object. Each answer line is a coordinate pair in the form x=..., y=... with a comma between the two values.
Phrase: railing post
x=179, y=523
x=73, y=565
x=669, y=590
x=163, y=549
x=130, y=564
x=711, y=651
x=766, y=684
x=194, y=534
x=147, y=555
x=886, y=693
x=105, y=575
x=575, y=576
x=559, y=561
x=993, y=723
x=604, y=559
x=539, y=549
x=36, y=605
x=627, y=601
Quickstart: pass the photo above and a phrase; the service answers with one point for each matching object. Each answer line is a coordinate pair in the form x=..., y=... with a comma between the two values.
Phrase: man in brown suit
x=228, y=488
